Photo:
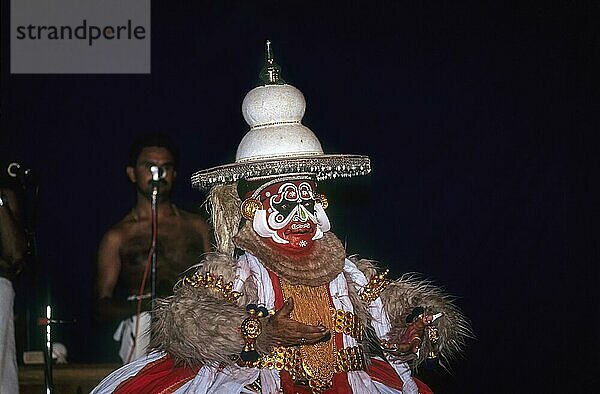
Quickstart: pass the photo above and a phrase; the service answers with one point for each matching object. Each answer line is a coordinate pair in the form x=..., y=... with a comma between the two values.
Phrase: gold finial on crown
x=271, y=72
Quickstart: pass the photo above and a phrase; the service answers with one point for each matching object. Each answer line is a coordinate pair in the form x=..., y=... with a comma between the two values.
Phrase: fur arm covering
x=399, y=299
x=197, y=325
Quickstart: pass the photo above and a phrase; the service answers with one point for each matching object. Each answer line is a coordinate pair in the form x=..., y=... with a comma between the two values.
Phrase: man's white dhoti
x=133, y=348
x=9, y=380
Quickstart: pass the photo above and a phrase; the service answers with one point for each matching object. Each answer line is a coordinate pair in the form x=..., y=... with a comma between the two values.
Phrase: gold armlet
x=373, y=289
x=347, y=323
x=211, y=281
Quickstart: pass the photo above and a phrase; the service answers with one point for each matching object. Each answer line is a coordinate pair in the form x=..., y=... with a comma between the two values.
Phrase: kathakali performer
x=281, y=308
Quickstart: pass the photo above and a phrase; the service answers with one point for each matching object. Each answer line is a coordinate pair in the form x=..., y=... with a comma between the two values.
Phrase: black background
x=478, y=120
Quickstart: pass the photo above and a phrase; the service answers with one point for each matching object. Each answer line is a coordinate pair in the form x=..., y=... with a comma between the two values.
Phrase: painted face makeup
x=290, y=216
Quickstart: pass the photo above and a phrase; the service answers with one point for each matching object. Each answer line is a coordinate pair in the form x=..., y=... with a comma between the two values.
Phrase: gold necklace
x=312, y=306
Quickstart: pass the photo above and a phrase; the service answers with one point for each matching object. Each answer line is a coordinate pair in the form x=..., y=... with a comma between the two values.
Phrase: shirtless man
x=123, y=252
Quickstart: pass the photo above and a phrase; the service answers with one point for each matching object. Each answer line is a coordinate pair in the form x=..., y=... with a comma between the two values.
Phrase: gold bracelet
x=250, y=329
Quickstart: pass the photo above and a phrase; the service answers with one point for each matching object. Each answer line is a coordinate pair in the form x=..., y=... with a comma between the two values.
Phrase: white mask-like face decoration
x=291, y=217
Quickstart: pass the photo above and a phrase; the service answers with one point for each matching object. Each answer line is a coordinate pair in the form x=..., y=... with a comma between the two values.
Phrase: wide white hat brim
x=323, y=166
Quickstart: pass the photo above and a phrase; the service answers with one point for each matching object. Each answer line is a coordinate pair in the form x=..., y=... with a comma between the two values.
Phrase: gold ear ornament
x=249, y=208
x=322, y=199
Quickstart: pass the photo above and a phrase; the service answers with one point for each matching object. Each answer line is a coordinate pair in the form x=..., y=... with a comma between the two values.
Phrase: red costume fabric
x=159, y=377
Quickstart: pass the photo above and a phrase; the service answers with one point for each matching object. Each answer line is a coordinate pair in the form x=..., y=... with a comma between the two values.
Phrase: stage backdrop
x=470, y=113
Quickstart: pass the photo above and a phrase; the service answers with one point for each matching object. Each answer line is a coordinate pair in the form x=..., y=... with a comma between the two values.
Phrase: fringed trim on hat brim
x=323, y=166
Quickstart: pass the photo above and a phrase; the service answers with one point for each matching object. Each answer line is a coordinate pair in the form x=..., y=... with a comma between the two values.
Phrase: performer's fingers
x=312, y=338
x=306, y=328
x=288, y=307
x=415, y=344
x=313, y=335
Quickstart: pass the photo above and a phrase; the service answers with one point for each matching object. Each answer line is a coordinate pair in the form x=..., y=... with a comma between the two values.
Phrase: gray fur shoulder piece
x=198, y=324
x=410, y=291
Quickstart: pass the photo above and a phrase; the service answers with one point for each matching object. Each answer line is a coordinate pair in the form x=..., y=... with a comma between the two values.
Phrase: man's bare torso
x=180, y=244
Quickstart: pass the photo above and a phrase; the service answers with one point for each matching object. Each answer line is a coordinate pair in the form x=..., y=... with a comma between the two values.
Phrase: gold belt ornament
x=290, y=359
x=349, y=359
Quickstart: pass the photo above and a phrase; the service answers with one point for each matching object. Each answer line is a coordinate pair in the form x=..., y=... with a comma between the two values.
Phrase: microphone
x=158, y=173
x=15, y=170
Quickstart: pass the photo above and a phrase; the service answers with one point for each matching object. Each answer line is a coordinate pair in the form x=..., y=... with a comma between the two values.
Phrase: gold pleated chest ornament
x=312, y=306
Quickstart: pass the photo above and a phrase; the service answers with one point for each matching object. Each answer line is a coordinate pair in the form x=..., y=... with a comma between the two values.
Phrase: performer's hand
x=287, y=332
x=411, y=339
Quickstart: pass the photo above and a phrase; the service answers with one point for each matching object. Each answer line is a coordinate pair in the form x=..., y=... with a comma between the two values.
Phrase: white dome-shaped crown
x=273, y=103
x=274, y=113
x=277, y=142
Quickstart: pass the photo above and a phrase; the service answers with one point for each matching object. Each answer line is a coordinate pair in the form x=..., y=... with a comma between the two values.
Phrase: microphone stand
x=151, y=261
x=154, y=203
